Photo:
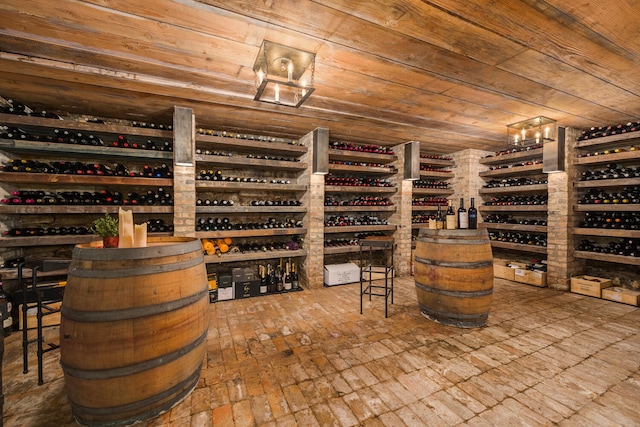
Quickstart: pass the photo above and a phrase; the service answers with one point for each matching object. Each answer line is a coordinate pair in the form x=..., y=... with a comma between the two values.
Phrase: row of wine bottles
x=102, y=197
x=211, y=175
x=435, y=157
x=624, y=247
x=515, y=150
x=69, y=136
x=153, y=226
x=513, y=182
x=429, y=201
x=516, y=165
x=604, y=152
x=351, y=181
x=354, y=241
x=350, y=220
x=362, y=164
x=429, y=168
x=264, y=246
x=282, y=277
x=364, y=148
x=275, y=158
x=358, y=201
x=602, y=131
x=519, y=238
x=509, y=219
x=222, y=224
x=430, y=184
x=611, y=171
x=225, y=134
x=626, y=195
x=533, y=199
x=614, y=220
x=80, y=168
x=451, y=220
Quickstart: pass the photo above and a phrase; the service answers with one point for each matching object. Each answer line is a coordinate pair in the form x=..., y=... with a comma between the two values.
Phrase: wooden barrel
x=133, y=329
x=454, y=276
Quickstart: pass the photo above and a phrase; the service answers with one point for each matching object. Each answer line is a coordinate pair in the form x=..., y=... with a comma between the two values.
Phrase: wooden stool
x=369, y=245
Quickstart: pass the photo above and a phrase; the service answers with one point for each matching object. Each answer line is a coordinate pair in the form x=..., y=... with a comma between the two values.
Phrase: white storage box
x=339, y=274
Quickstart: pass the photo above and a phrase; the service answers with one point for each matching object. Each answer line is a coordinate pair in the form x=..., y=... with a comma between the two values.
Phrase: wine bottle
x=450, y=220
x=440, y=219
x=295, y=281
x=263, y=279
x=473, y=215
x=287, y=276
x=463, y=217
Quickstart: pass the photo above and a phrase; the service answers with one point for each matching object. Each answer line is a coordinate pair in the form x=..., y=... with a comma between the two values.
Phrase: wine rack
x=355, y=173
x=608, y=169
x=246, y=169
x=516, y=189
x=435, y=170
x=88, y=142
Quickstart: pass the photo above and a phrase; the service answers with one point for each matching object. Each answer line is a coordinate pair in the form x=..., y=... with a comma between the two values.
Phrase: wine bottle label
x=463, y=220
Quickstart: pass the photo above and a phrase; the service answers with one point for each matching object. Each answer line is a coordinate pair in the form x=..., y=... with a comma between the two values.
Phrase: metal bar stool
x=368, y=246
x=39, y=296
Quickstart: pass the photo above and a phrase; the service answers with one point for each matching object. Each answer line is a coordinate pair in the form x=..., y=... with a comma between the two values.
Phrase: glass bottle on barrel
x=450, y=217
x=440, y=220
x=473, y=215
x=463, y=217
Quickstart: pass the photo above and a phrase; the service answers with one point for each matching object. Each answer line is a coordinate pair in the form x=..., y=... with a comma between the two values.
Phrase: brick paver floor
x=310, y=359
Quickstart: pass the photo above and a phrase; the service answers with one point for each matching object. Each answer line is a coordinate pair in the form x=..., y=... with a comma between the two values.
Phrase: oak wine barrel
x=133, y=329
x=454, y=276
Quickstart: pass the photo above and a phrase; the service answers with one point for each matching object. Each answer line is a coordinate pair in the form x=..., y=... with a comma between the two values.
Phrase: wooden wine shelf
x=424, y=208
x=253, y=256
x=251, y=233
x=435, y=174
x=72, y=150
x=516, y=170
x=625, y=156
x=361, y=157
x=432, y=191
x=519, y=247
x=14, y=242
x=514, y=208
x=359, y=229
x=248, y=186
x=251, y=146
x=356, y=189
x=601, y=183
x=249, y=209
x=607, y=232
x=513, y=227
x=359, y=208
x=101, y=128
x=45, y=178
x=512, y=157
x=608, y=207
x=347, y=249
x=362, y=169
x=515, y=189
x=624, y=138
x=436, y=162
x=227, y=162
x=81, y=209
x=618, y=259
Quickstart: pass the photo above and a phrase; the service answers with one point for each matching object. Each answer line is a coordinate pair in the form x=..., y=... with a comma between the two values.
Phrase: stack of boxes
x=522, y=272
x=603, y=288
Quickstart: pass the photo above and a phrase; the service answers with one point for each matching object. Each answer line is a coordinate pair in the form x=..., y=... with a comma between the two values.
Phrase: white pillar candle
x=125, y=226
x=140, y=235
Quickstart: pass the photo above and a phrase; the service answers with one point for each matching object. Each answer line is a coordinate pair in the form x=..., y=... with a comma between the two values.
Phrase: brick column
x=466, y=181
x=184, y=187
x=402, y=216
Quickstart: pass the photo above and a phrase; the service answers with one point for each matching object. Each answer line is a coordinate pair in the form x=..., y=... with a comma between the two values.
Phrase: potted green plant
x=107, y=228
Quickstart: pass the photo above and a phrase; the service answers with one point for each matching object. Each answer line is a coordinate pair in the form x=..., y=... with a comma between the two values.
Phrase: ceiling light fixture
x=533, y=131
x=284, y=75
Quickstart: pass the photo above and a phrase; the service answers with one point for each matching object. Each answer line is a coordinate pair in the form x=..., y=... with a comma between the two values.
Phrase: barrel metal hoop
x=455, y=264
x=135, y=271
x=455, y=319
x=187, y=385
x=130, y=313
x=466, y=294
x=156, y=251
x=106, y=374
x=453, y=241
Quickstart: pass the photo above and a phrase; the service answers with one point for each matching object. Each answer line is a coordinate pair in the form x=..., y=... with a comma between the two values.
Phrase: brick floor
x=310, y=359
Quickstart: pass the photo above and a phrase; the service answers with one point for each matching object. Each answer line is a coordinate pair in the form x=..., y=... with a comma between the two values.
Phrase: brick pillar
x=401, y=218
x=312, y=271
x=561, y=219
x=184, y=187
x=466, y=181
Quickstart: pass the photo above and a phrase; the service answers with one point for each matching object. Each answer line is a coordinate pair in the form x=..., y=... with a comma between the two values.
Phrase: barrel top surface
x=156, y=246
x=449, y=234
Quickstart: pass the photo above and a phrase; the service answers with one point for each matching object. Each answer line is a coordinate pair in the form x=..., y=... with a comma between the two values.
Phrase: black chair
x=39, y=292
x=367, y=248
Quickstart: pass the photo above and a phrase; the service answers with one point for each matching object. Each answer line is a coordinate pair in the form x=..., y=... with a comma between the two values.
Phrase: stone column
x=401, y=218
x=184, y=169
x=466, y=181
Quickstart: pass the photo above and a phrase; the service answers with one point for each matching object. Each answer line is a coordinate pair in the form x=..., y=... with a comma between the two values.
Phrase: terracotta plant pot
x=110, y=242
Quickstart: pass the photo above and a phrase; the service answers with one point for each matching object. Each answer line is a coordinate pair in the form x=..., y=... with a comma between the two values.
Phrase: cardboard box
x=242, y=274
x=32, y=320
x=623, y=295
x=589, y=285
x=501, y=271
x=224, y=281
x=530, y=277
x=339, y=274
x=213, y=295
x=226, y=293
x=247, y=289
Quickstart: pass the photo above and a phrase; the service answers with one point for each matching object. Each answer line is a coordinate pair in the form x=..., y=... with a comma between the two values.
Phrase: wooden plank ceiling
x=449, y=73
